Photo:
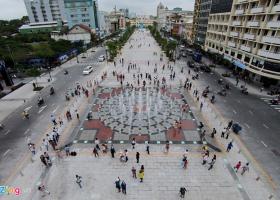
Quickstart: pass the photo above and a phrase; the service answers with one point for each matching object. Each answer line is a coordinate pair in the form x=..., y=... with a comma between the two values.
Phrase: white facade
x=163, y=14
x=104, y=23
x=77, y=33
x=45, y=11
x=248, y=39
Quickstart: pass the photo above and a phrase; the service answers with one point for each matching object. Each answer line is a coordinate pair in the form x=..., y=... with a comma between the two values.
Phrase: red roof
x=82, y=26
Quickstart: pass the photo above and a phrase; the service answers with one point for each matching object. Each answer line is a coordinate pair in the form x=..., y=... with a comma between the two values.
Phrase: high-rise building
x=166, y=17
x=248, y=36
x=45, y=11
x=82, y=12
x=200, y=20
x=125, y=11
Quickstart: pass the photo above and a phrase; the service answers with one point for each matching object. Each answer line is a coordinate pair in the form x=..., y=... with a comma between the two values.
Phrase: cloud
x=11, y=9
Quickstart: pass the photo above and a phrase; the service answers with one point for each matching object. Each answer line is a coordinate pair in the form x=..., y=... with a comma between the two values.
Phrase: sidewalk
x=253, y=88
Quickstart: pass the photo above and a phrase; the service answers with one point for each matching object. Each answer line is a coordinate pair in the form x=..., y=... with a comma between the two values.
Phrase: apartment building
x=248, y=36
x=82, y=12
x=200, y=21
x=45, y=11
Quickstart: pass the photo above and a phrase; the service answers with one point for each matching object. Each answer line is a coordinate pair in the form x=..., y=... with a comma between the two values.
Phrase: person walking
x=53, y=119
x=213, y=133
x=229, y=146
x=96, y=142
x=118, y=184
x=245, y=168
x=223, y=133
x=205, y=159
x=167, y=147
x=137, y=156
x=79, y=180
x=46, y=144
x=31, y=147
x=133, y=143
x=141, y=175
x=201, y=106
x=95, y=152
x=43, y=190
x=148, y=148
x=237, y=166
x=182, y=191
x=43, y=160
x=67, y=150
x=229, y=124
x=133, y=170
x=113, y=151
x=123, y=186
x=211, y=164
x=48, y=159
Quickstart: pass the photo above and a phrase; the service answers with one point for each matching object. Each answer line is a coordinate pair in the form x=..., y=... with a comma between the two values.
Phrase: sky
x=13, y=9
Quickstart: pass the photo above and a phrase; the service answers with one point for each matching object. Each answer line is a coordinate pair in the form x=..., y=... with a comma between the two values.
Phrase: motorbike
x=227, y=86
x=51, y=91
x=40, y=101
x=244, y=91
x=275, y=101
x=67, y=97
x=220, y=81
x=205, y=94
x=65, y=72
x=222, y=93
x=25, y=115
x=2, y=126
x=212, y=99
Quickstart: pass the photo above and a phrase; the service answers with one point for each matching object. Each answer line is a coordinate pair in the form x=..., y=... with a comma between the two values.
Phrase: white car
x=101, y=58
x=87, y=70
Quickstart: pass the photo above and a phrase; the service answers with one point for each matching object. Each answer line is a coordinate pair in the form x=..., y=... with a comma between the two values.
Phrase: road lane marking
x=234, y=112
x=247, y=125
x=263, y=143
x=6, y=152
x=41, y=109
x=265, y=126
x=28, y=108
x=251, y=112
x=7, y=132
x=25, y=132
x=55, y=109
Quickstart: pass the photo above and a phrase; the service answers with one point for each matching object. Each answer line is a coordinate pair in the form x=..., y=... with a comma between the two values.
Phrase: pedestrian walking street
x=145, y=104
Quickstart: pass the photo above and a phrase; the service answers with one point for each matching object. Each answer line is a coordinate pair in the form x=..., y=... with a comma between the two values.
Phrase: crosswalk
x=267, y=100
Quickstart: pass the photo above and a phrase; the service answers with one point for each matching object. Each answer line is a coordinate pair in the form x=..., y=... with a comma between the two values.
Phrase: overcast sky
x=12, y=9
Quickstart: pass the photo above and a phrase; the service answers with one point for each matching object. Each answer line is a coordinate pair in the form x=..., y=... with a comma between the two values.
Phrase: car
x=191, y=64
x=205, y=68
x=87, y=70
x=101, y=58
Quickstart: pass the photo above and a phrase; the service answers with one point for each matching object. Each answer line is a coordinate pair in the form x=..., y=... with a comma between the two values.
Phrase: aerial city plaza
x=138, y=114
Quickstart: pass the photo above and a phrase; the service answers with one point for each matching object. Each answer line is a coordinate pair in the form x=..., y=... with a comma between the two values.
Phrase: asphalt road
x=14, y=137
x=260, y=122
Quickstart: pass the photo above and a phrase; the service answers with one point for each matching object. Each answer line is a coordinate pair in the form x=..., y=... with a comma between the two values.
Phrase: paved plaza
x=147, y=114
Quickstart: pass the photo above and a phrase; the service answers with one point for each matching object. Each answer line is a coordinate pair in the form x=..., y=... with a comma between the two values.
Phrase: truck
x=197, y=56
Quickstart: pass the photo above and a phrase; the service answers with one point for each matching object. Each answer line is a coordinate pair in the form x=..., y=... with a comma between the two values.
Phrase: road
x=260, y=122
x=14, y=137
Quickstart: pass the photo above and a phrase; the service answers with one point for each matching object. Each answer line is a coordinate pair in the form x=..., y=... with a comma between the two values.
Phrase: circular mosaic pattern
x=140, y=111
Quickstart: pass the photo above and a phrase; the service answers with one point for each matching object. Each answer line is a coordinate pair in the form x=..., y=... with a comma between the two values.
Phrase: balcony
x=273, y=24
x=257, y=10
x=271, y=39
x=231, y=44
x=268, y=54
x=276, y=8
x=239, y=12
x=234, y=34
x=242, y=1
x=249, y=36
x=253, y=23
x=245, y=48
x=236, y=23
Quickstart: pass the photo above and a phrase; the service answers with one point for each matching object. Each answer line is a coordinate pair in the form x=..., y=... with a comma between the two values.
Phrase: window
x=276, y=2
x=273, y=33
x=232, y=53
x=276, y=50
x=247, y=59
x=239, y=56
x=267, y=47
x=265, y=32
x=261, y=46
x=278, y=18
